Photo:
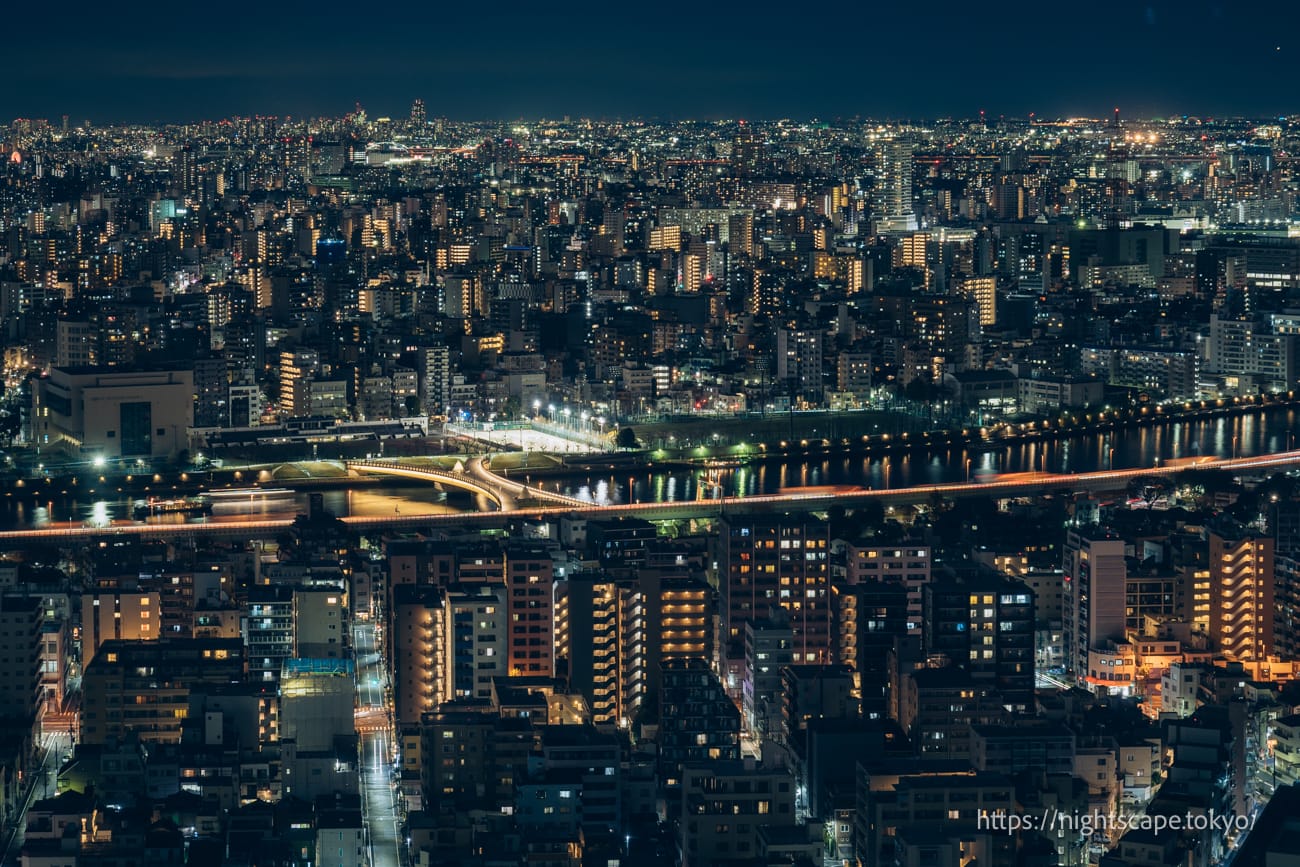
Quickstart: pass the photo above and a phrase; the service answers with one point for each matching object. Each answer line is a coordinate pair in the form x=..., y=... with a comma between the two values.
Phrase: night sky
x=182, y=60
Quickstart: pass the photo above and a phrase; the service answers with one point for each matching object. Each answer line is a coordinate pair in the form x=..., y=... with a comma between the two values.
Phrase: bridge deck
x=1024, y=483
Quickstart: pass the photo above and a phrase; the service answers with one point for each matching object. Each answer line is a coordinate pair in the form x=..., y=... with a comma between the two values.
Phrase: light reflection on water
x=1237, y=436
x=376, y=500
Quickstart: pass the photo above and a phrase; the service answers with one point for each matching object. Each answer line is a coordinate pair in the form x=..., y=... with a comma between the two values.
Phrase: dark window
x=136, y=420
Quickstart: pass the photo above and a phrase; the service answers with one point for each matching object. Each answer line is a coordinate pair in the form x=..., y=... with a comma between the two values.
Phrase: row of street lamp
x=567, y=413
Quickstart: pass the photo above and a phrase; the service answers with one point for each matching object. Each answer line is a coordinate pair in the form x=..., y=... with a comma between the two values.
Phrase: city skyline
x=606, y=62
x=383, y=489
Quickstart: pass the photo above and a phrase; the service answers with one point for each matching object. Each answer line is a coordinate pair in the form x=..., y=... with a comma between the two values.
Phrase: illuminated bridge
x=1018, y=484
x=484, y=487
x=478, y=480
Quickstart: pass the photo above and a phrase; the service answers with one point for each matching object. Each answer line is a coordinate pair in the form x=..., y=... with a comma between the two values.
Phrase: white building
x=114, y=413
x=1261, y=354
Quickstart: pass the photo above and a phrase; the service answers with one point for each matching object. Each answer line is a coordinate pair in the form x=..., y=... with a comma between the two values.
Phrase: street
x=44, y=786
x=378, y=795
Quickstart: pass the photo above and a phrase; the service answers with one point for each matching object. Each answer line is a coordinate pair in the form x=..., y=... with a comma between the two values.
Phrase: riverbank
x=715, y=452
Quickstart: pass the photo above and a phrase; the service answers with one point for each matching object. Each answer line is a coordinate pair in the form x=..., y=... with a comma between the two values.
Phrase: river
x=1226, y=437
x=1235, y=436
x=23, y=512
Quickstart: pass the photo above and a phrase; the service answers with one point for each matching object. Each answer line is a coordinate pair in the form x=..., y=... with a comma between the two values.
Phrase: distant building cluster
x=863, y=686
x=367, y=270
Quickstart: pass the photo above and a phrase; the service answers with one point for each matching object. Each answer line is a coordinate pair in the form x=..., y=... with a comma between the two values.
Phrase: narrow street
x=44, y=786
x=378, y=795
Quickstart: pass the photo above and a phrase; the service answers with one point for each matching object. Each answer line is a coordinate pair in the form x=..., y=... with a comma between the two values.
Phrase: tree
x=11, y=422
x=919, y=389
x=627, y=438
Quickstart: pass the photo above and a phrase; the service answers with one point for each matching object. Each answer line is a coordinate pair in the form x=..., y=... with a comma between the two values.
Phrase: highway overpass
x=1019, y=484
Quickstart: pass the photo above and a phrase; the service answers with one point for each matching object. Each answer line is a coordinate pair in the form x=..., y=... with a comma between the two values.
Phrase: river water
x=1235, y=436
x=21, y=512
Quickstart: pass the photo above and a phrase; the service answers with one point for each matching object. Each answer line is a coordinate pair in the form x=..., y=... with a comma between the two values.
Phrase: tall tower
x=186, y=170
x=418, y=117
x=747, y=152
x=1117, y=185
x=892, y=200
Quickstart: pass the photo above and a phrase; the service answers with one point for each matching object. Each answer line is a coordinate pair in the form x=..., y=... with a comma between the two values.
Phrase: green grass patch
x=522, y=461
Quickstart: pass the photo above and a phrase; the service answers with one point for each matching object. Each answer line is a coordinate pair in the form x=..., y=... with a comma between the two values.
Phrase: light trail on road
x=1021, y=483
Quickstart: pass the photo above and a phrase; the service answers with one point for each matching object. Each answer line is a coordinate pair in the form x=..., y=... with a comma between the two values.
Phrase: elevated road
x=1018, y=484
x=483, y=472
x=484, y=484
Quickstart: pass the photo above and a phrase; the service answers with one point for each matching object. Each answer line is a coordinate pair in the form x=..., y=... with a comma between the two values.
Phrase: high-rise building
x=136, y=616
x=870, y=618
x=297, y=369
x=1242, y=601
x=21, y=618
x=322, y=629
x=769, y=648
x=678, y=621
x=908, y=564
x=892, y=195
x=419, y=652
x=1268, y=359
x=472, y=760
x=732, y=806
x=530, y=583
x=740, y=233
x=477, y=615
x=799, y=360
x=1286, y=606
x=984, y=292
x=418, y=115
x=211, y=392
x=435, y=379
x=591, y=615
x=269, y=632
x=1096, y=579
x=767, y=563
x=153, y=679
x=698, y=721
x=748, y=152
x=615, y=634
x=985, y=625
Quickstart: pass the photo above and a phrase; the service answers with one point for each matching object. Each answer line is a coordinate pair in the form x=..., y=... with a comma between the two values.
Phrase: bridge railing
x=396, y=467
